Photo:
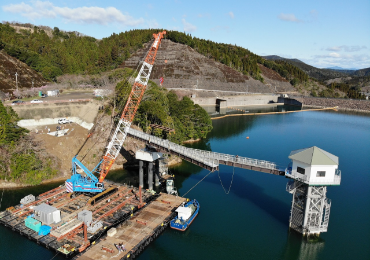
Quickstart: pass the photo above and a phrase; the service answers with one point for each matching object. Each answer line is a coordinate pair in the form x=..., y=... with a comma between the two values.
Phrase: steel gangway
x=206, y=159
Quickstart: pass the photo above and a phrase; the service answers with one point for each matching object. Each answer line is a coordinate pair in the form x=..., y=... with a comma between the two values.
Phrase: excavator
x=89, y=182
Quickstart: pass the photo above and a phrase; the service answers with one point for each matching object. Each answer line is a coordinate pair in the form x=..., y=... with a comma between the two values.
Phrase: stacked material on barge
x=76, y=225
x=63, y=215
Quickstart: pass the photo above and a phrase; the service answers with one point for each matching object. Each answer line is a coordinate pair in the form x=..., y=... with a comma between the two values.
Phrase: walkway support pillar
x=150, y=176
x=141, y=174
x=156, y=173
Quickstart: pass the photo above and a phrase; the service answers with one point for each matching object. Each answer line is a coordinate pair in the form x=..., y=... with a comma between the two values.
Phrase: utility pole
x=32, y=83
x=16, y=80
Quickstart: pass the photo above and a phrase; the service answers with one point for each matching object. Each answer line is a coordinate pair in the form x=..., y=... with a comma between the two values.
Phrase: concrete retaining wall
x=244, y=100
x=31, y=123
x=86, y=111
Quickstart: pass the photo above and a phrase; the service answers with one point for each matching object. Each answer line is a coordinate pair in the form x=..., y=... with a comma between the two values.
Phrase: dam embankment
x=342, y=104
x=355, y=105
x=242, y=100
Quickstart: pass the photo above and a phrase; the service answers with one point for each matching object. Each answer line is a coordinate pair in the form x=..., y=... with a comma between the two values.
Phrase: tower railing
x=292, y=185
x=304, y=178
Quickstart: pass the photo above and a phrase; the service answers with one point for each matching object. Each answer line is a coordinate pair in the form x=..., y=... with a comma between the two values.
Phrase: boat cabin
x=183, y=213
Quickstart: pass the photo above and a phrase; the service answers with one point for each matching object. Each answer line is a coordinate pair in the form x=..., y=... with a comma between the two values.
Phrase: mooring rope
x=54, y=256
x=231, y=183
x=197, y=184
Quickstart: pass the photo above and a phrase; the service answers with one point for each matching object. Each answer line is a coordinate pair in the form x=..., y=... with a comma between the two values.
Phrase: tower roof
x=314, y=156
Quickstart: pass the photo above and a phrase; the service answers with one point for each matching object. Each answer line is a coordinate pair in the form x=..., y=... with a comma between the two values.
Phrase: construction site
x=86, y=227
x=91, y=218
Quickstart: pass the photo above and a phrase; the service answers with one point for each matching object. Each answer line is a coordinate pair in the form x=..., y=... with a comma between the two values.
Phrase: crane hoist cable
x=130, y=109
x=99, y=121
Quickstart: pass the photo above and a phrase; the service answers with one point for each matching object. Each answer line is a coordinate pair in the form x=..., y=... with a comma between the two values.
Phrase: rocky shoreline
x=353, y=105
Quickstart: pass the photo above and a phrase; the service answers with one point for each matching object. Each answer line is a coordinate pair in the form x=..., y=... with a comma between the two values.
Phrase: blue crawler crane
x=79, y=183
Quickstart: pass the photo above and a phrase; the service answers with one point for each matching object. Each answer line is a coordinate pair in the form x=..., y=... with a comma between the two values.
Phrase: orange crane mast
x=131, y=107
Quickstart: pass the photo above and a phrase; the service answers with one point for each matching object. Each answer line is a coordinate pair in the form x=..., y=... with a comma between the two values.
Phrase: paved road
x=67, y=97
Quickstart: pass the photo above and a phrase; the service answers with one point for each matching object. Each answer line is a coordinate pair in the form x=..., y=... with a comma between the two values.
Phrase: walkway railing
x=206, y=158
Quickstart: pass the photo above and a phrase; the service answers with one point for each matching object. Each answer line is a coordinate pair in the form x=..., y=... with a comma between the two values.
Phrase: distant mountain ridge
x=321, y=74
x=340, y=68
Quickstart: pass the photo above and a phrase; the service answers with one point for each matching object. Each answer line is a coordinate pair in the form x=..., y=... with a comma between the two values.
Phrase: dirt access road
x=66, y=96
x=64, y=147
x=69, y=95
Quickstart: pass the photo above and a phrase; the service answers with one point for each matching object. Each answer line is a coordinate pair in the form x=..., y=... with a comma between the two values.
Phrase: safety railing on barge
x=206, y=159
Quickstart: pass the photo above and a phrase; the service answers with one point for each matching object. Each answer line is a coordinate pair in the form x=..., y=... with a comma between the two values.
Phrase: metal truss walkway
x=206, y=159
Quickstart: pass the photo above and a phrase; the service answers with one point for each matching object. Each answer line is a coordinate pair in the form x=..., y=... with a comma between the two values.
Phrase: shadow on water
x=298, y=247
x=241, y=187
x=12, y=197
x=234, y=126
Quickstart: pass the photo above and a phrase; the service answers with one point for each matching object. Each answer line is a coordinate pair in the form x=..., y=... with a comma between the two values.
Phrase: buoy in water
x=247, y=137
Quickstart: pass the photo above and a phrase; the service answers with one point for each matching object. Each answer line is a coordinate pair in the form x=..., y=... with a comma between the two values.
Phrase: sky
x=322, y=33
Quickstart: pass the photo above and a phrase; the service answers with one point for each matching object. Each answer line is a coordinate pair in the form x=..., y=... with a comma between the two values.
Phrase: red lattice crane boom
x=130, y=109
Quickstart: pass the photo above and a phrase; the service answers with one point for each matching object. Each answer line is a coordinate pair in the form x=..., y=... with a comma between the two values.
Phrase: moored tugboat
x=185, y=215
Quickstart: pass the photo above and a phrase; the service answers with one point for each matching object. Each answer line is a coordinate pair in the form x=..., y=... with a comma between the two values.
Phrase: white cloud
x=188, y=27
x=220, y=28
x=153, y=24
x=205, y=15
x=174, y=28
x=289, y=18
x=334, y=55
x=231, y=14
x=341, y=60
x=88, y=15
x=314, y=15
x=346, y=48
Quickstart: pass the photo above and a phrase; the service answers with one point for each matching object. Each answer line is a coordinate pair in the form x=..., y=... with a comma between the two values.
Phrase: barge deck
x=135, y=225
x=138, y=232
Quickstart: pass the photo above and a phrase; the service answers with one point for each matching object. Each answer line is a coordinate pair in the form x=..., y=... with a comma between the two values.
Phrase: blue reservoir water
x=251, y=222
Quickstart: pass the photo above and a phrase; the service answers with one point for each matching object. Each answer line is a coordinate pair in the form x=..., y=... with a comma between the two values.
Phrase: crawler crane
x=90, y=183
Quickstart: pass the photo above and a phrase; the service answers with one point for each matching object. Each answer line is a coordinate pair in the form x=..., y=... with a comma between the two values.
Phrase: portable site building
x=53, y=93
x=47, y=214
x=28, y=199
x=33, y=224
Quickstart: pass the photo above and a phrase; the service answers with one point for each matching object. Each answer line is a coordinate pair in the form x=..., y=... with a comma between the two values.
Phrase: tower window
x=300, y=170
x=320, y=174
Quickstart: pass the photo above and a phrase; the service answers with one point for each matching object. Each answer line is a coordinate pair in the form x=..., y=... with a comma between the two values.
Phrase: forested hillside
x=21, y=158
x=71, y=52
x=349, y=82
x=162, y=107
x=316, y=73
x=54, y=53
x=238, y=58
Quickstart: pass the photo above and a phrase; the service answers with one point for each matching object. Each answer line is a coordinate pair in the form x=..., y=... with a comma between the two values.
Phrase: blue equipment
x=79, y=183
x=44, y=230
